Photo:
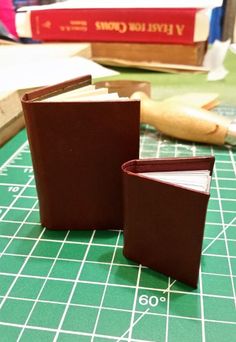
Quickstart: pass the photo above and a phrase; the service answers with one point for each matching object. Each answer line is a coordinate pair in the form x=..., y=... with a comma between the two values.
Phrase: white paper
x=233, y=48
x=131, y=4
x=30, y=75
x=214, y=60
x=197, y=179
x=22, y=54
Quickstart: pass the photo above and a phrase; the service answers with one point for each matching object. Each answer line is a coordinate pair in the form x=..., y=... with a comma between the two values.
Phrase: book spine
x=187, y=54
x=117, y=25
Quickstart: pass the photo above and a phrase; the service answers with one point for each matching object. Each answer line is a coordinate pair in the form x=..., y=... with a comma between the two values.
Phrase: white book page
x=86, y=93
x=103, y=97
x=76, y=94
x=100, y=97
x=195, y=180
x=128, y=4
x=70, y=94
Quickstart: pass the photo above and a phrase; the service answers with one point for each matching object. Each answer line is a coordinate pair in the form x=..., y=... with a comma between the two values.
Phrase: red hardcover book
x=162, y=25
x=77, y=148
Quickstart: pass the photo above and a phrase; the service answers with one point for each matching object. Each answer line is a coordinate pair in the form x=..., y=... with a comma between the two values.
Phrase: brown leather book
x=78, y=147
x=191, y=54
x=164, y=221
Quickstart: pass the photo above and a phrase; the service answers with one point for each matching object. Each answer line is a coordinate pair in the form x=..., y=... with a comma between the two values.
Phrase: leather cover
x=164, y=223
x=77, y=151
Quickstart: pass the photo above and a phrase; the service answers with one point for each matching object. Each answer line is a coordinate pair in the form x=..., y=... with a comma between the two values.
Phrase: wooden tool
x=182, y=116
x=11, y=116
x=186, y=122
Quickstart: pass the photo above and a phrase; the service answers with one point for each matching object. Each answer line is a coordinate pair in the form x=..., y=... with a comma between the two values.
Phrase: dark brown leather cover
x=77, y=151
x=164, y=223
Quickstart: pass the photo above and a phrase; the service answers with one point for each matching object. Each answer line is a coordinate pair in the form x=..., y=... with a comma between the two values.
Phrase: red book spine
x=116, y=25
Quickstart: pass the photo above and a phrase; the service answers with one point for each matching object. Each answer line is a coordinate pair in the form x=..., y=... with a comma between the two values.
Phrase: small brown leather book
x=79, y=137
x=165, y=204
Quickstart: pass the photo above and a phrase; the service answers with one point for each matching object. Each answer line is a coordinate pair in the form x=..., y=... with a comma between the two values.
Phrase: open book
x=195, y=180
x=86, y=93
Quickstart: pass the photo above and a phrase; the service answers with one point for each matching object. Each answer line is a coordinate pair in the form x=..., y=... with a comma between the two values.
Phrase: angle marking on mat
x=205, y=249
x=169, y=287
x=133, y=324
x=223, y=230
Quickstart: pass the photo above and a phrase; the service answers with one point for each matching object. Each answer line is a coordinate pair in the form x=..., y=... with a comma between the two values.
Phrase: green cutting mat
x=77, y=286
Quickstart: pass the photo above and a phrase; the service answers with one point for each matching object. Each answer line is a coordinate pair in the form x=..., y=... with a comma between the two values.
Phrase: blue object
x=216, y=24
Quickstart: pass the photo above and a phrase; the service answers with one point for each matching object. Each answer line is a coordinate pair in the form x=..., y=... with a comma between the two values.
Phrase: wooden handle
x=183, y=122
